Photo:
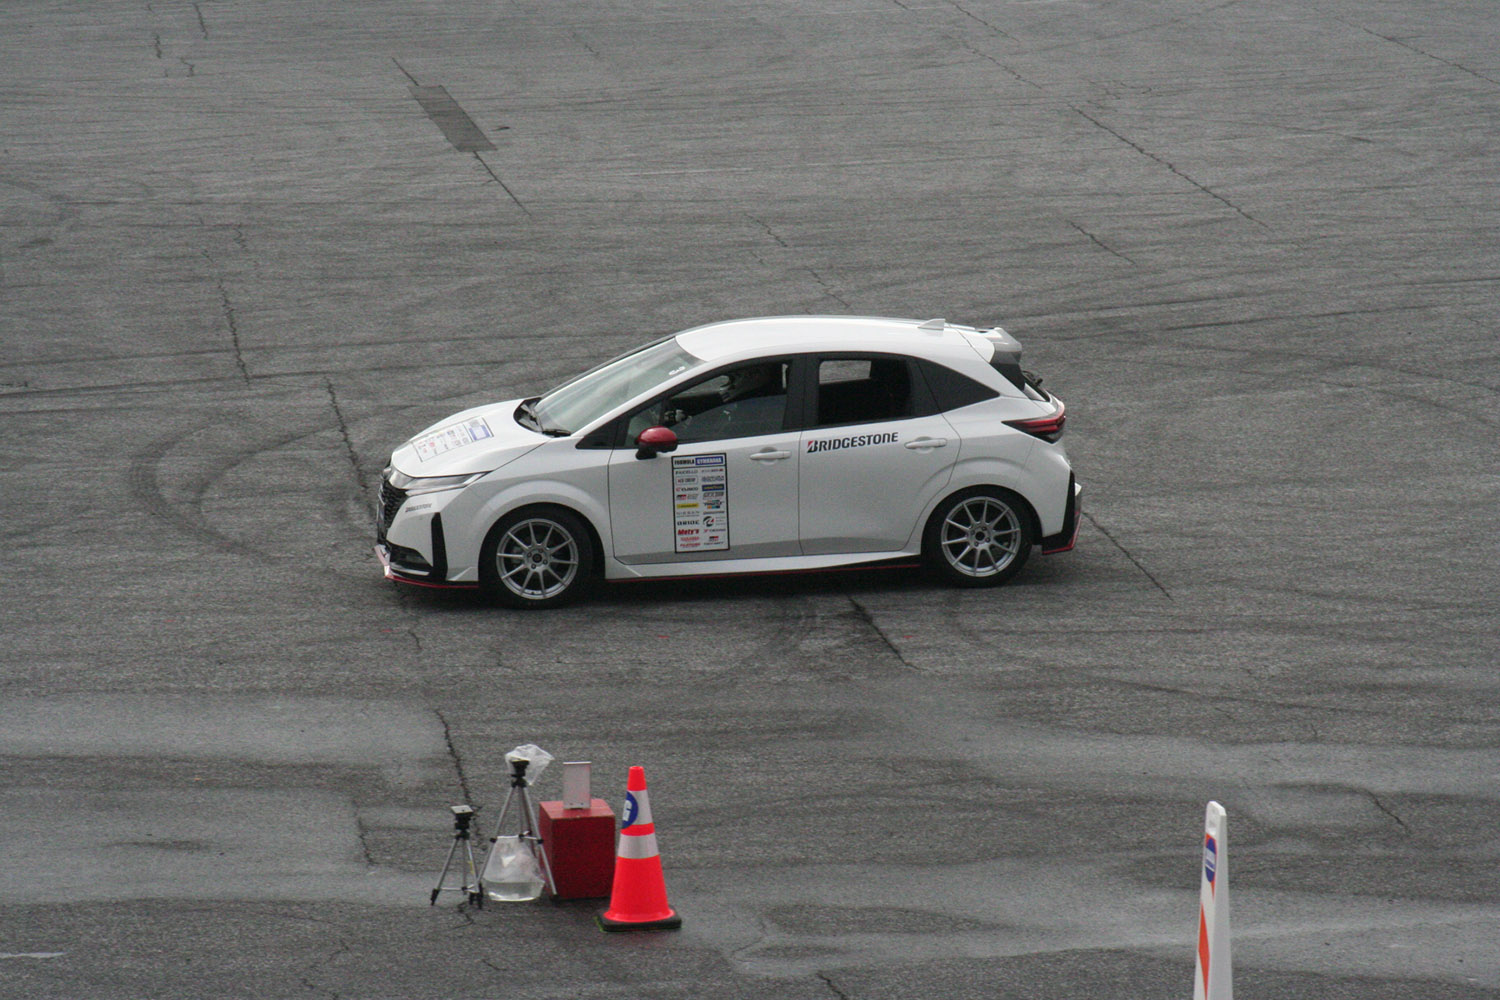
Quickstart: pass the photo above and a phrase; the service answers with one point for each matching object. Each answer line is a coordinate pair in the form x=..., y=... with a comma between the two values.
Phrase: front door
x=729, y=491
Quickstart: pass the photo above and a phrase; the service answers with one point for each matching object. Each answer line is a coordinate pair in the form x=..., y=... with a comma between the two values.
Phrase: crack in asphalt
x=503, y=186
x=1100, y=243
x=1388, y=811
x=231, y=319
x=975, y=17
x=458, y=761
x=1169, y=165
x=995, y=62
x=1134, y=561
x=828, y=289
x=828, y=981
x=306, y=977
x=363, y=832
x=769, y=231
x=343, y=425
x=1428, y=55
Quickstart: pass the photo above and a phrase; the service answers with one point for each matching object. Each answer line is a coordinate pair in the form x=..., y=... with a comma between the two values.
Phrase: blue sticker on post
x=632, y=810
x=1210, y=858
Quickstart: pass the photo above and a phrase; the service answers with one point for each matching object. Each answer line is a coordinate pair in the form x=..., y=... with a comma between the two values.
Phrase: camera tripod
x=462, y=817
x=528, y=833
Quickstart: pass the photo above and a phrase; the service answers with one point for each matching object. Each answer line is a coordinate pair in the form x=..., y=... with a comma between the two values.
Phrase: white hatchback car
x=751, y=446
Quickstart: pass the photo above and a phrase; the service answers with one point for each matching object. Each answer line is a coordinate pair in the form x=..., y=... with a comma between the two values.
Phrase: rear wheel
x=979, y=538
x=540, y=557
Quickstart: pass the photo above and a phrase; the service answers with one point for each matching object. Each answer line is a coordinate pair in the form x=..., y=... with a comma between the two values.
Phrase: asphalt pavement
x=246, y=249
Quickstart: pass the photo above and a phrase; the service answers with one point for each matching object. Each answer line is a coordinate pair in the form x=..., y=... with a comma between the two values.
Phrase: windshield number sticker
x=453, y=436
x=700, y=503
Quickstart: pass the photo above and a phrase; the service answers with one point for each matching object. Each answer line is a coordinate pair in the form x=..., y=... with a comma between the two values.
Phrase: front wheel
x=979, y=538
x=536, y=558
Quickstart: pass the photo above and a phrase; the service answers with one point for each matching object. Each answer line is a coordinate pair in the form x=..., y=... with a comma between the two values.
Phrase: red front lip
x=391, y=573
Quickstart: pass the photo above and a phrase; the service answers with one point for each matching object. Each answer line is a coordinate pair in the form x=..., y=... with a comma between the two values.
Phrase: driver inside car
x=738, y=403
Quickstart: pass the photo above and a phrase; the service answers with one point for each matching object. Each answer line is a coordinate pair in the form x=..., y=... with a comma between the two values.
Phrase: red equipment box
x=580, y=846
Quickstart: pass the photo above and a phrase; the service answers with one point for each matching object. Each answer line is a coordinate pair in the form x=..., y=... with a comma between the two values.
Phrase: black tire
x=537, y=557
x=979, y=537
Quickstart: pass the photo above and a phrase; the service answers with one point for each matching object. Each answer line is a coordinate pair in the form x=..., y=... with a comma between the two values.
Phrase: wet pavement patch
x=455, y=122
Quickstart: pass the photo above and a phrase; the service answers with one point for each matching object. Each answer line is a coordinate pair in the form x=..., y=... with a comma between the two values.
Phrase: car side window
x=742, y=401
x=951, y=389
x=863, y=390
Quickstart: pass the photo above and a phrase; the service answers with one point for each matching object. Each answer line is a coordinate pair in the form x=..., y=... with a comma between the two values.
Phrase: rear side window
x=950, y=389
x=863, y=390
x=1028, y=382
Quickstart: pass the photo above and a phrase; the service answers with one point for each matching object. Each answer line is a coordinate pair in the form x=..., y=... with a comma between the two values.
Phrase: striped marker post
x=638, y=901
x=1211, y=980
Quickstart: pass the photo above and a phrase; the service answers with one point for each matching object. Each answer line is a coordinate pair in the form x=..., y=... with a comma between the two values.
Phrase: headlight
x=417, y=485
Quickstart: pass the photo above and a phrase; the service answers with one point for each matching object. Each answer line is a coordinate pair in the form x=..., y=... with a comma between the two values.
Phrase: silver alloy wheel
x=981, y=536
x=537, y=558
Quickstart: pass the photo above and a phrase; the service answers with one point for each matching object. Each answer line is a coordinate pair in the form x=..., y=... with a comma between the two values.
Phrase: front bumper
x=399, y=565
x=407, y=563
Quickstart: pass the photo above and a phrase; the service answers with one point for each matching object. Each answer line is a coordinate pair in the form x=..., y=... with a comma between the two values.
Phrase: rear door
x=873, y=454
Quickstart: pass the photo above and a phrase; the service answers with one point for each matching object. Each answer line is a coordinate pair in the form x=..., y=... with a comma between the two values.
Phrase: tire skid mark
x=1153, y=26
x=864, y=615
x=1331, y=363
x=1195, y=694
x=144, y=480
x=186, y=514
x=271, y=350
x=1316, y=379
x=270, y=378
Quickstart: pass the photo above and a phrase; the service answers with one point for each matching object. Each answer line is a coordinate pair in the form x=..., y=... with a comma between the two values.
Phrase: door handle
x=770, y=456
x=926, y=443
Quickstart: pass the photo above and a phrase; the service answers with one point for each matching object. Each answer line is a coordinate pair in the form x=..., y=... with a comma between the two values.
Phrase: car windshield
x=575, y=404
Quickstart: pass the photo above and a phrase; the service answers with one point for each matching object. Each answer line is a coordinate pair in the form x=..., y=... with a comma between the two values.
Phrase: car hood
x=477, y=440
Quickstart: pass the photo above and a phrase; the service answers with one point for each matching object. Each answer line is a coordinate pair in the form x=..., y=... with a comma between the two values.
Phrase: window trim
x=922, y=403
x=790, y=419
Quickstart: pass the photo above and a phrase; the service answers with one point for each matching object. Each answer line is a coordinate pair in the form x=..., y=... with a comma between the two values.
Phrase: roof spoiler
x=1007, y=357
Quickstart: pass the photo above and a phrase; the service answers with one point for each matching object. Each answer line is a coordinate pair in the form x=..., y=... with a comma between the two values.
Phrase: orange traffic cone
x=638, y=901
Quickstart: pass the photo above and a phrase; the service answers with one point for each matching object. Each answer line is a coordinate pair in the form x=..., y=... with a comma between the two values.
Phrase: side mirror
x=654, y=441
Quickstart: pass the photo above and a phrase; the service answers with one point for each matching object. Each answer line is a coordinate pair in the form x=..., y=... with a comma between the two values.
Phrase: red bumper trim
x=392, y=573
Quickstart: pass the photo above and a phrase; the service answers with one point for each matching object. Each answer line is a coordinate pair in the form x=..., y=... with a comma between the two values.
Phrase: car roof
x=738, y=338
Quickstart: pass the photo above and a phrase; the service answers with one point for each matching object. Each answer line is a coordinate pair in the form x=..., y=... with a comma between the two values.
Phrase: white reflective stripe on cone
x=1212, y=978
x=637, y=846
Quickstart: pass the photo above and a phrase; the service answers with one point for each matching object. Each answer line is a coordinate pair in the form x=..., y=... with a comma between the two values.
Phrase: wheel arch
x=537, y=506
x=1027, y=507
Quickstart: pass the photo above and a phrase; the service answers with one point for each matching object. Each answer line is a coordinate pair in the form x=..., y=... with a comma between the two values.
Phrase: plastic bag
x=536, y=759
x=512, y=873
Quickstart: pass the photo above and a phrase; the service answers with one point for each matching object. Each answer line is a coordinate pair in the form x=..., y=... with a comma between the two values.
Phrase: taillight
x=1048, y=428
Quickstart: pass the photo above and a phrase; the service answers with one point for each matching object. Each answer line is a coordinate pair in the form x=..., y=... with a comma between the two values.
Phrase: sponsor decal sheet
x=453, y=436
x=700, y=503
